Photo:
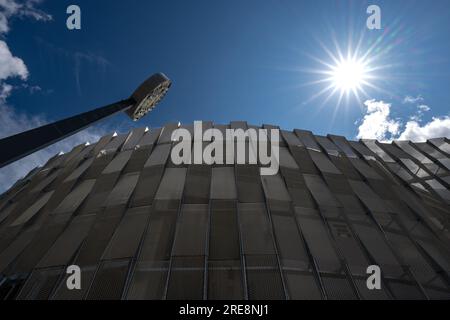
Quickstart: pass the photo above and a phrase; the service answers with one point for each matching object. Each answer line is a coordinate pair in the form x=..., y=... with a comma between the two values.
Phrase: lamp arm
x=23, y=144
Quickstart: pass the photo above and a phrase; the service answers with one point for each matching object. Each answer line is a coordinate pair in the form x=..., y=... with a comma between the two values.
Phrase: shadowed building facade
x=141, y=227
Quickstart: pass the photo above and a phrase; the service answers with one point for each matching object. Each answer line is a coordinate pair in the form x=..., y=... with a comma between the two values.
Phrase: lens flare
x=349, y=75
x=346, y=75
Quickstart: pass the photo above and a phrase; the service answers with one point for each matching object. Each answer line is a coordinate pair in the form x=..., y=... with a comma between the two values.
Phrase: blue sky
x=229, y=60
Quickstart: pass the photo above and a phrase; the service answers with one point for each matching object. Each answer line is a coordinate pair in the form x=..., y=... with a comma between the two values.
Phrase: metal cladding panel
x=47, y=182
x=133, y=138
x=147, y=186
x=118, y=163
x=343, y=145
x=291, y=139
x=224, y=233
x=159, y=237
x=328, y=145
x=99, y=164
x=264, y=278
x=15, y=248
x=115, y=143
x=225, y=280
x=109, y=281
x=172, y=184
x=149, y=138
x=307, y=139
x=166, y=134
x=323, y=163
x=442, y=144
x=223, y=184
x=378, y=248
x=31, y=211
x=149, y=281
x=319, y=243
x=302, y=286
x=275, y=188
x=137, y=160
x=99, y=236
x=248, y=182
x=198, y=184
x=159, y=155
x=320, y=191
x=122, y=191
x=186, y=280
x=40, y=284
x=126, y=239
x=75, y=198
x=141, y=227
x=68, y=243
x=99, y=193
x=191, y=231
x=255, y=227
x=338, y=288
x=364, y=169
x=80, y=170
x=291, y=249
x=286, y=159
x=349, y=247
x=39, y=246
x=303, y=159
x=434, y=154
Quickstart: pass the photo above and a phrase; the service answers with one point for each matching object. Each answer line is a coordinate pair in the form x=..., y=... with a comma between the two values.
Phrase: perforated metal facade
x=140, y=227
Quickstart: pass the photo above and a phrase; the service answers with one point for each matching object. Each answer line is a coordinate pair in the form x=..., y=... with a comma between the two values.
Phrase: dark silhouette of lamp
x=142, y=101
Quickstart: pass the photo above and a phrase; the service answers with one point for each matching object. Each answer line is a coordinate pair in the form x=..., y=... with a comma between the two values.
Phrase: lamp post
x=142, y=101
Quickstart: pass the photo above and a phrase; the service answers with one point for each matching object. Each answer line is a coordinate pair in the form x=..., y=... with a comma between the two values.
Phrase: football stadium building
x=140, y=226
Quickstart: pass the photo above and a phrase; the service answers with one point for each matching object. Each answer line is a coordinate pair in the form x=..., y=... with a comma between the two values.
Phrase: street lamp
x=142, y=101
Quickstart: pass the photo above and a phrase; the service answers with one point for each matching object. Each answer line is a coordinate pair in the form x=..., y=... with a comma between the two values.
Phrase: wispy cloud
x=412, y=100
x=75, y=58
x=423, y=108
x=378, y=124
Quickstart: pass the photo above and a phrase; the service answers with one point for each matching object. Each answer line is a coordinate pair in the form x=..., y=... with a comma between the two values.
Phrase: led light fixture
x=148, y=95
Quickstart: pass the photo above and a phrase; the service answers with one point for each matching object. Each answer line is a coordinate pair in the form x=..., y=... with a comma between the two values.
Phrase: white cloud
x=436, y=128
x=5, y=91
x=411, y=99
x=423, y=108
x=377, y=123
x=11, y=66
x=13, y=8
x=12, y=122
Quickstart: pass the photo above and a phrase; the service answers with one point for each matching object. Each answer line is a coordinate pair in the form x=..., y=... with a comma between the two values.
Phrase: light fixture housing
x=148, y=95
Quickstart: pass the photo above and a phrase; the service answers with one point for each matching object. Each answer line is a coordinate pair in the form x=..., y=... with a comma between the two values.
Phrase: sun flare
x=349, y=75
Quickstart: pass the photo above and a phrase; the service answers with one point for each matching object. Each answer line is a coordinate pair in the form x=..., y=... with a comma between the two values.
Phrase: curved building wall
x=140, y=227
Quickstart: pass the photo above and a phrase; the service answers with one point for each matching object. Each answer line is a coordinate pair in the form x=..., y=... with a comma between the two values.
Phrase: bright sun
x=348, y=75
